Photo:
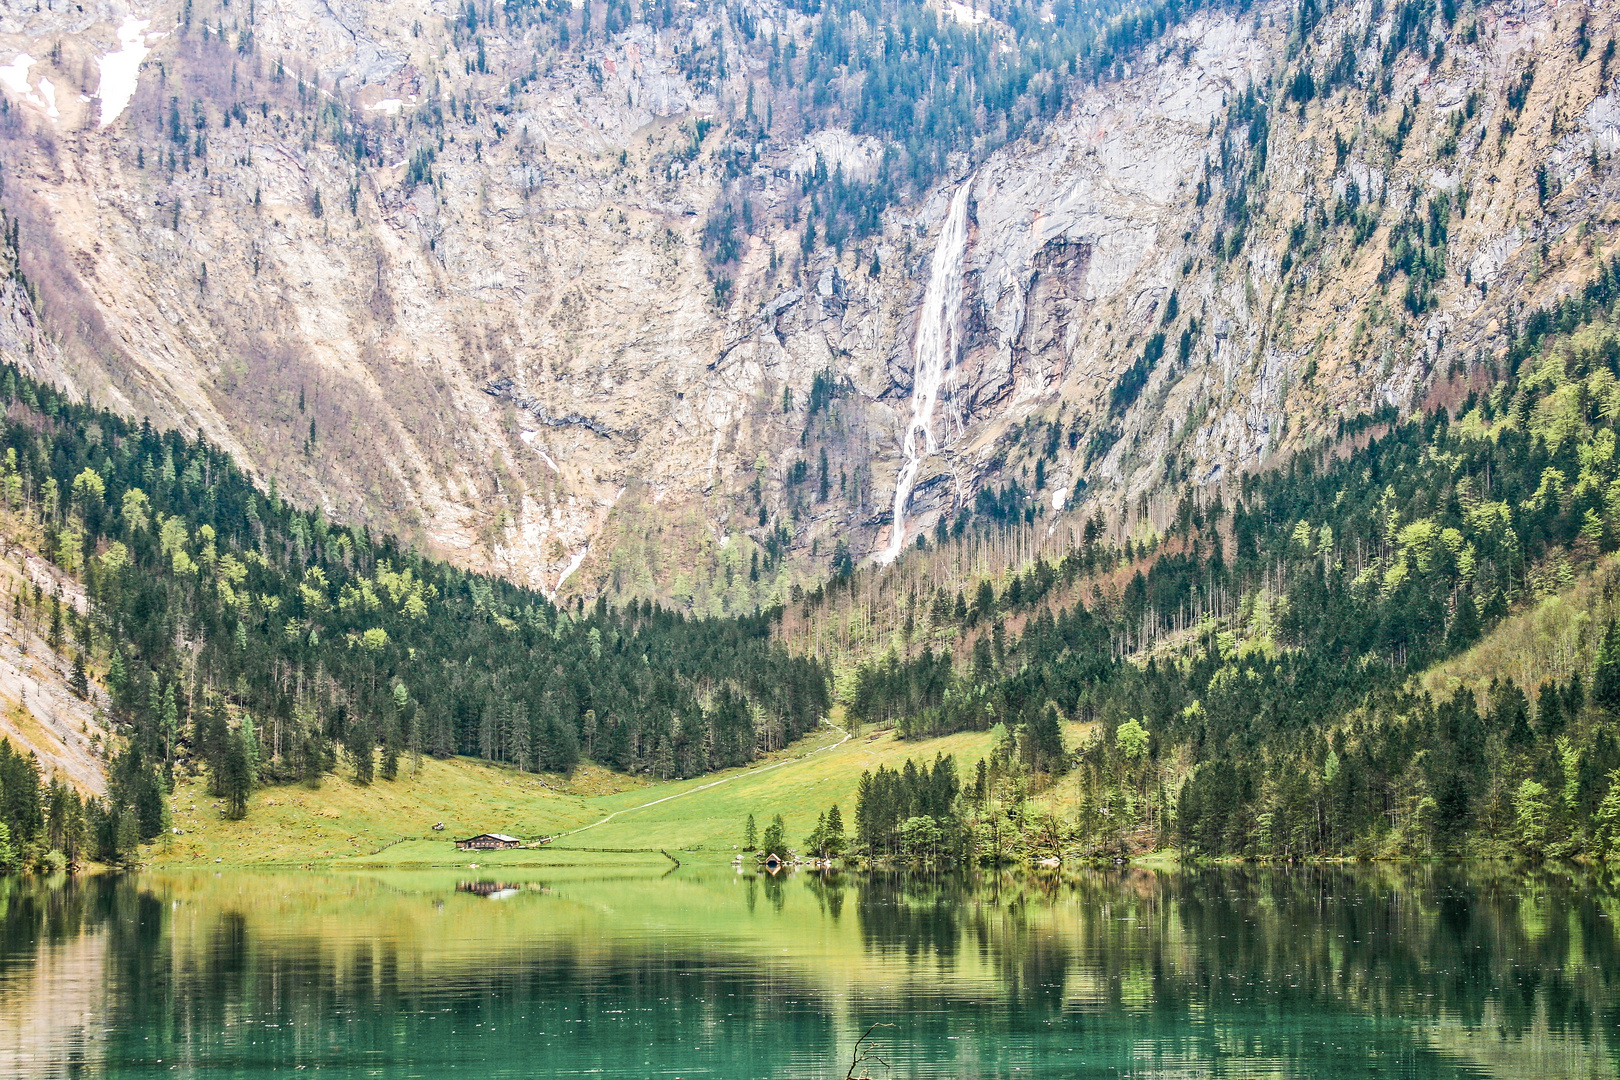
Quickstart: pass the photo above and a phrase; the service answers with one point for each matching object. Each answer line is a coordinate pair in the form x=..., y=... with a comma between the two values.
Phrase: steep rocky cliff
x=451, y=271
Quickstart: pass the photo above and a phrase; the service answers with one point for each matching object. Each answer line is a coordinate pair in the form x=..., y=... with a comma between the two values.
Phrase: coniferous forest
x=257, y=641
x=1252, y=674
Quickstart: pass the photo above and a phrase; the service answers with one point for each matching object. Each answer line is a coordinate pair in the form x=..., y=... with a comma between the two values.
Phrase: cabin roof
x=491, y=836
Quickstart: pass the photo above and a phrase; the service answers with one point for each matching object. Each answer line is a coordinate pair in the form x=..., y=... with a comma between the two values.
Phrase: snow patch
x=573, y=564
x=48, y=90
x=387, y=106
x=120, y=71
x=858, y=155
x=15, y=74
x=528, y=437
x=965, y=15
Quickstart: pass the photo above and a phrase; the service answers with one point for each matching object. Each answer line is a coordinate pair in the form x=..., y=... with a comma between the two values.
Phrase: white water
x=120, y=70
x=935, y=353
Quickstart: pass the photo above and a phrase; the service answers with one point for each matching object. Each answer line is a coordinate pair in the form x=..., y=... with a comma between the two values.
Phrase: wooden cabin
x=490, y=841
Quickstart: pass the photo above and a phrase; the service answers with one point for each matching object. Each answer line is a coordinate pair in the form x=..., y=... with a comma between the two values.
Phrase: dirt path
x=706, y=787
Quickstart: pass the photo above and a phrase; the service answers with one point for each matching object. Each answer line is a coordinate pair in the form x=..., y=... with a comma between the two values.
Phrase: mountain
x=1204, y=374
x=640, y=293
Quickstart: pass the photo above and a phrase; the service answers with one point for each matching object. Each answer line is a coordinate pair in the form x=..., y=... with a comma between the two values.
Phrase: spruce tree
x=833, y=840
x=1043, y=742
x=1606, y=677
x=235, y=782
x=818, y=836
x=1549, y=710
x=775, y=841
x=362, y=746
x=750, y=835
x=1464, y=624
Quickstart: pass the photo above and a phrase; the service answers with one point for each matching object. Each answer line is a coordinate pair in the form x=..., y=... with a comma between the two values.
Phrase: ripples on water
x=1387, y=972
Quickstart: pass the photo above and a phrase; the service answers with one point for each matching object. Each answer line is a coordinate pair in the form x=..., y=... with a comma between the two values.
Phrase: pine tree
x=1042, y=744
x=750, y=836
x=1464, y=624
x=1574, y=697
x=775, y=841
x=1606, y=678
x=833, y=839
x=520, y=745
x=236, y=778
x=1549, y=710
x=362, y=746
x=213, y=732
x=818, y=836
x=169, y=722
x=127, y=833
x=79, y=682
x=390, y=758
x=865, y=813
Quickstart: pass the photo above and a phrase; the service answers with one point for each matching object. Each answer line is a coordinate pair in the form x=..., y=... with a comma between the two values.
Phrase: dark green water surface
x=1379, y=972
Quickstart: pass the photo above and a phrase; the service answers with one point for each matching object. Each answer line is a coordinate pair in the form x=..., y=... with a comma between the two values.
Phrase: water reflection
x=1384, y=971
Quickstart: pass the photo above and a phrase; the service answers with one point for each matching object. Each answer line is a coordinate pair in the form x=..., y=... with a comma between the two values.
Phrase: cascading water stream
x=935, y=356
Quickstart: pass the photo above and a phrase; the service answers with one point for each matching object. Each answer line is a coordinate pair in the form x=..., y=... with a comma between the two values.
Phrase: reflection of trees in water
x=914, y=914
x=828, y=889
x=1510, y=953
x=53, y=965
x=249, y=992
x=772, y=885
x=32, y=914
x=1185, y=961
x=1424, y=941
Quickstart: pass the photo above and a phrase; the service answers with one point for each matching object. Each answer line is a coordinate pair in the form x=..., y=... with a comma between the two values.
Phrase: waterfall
x=934, y=353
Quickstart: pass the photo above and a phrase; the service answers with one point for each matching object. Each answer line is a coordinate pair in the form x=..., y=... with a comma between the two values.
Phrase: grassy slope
x=343, y=823
x=1551, y=638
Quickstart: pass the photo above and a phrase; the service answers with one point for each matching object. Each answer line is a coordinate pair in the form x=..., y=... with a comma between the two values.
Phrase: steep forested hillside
x=244, y=635
x=1249, y=671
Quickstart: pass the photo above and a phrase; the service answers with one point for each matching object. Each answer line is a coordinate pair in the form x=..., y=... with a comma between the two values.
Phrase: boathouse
x=489, y=841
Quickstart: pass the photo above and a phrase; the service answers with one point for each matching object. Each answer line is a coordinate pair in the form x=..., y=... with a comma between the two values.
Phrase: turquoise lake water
x=1378, y=972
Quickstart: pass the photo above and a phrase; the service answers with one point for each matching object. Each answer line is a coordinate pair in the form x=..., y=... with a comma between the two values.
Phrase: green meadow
x=592, y=818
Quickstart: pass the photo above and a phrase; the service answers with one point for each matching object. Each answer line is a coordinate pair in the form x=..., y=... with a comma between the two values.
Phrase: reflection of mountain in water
x=1419, y=971
x=54, y=949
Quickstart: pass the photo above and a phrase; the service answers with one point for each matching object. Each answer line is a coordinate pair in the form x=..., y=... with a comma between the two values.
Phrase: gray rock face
x=473, y=305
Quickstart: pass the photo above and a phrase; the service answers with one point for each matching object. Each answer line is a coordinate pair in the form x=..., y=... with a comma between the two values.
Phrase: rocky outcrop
x=460, y=290
x=40, y=714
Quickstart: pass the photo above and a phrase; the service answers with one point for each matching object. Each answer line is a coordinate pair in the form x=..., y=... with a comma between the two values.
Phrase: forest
x=241, y=635
x=1252, y=673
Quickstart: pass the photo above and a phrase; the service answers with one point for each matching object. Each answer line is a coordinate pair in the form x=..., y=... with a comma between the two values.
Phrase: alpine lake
x=630, y=971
